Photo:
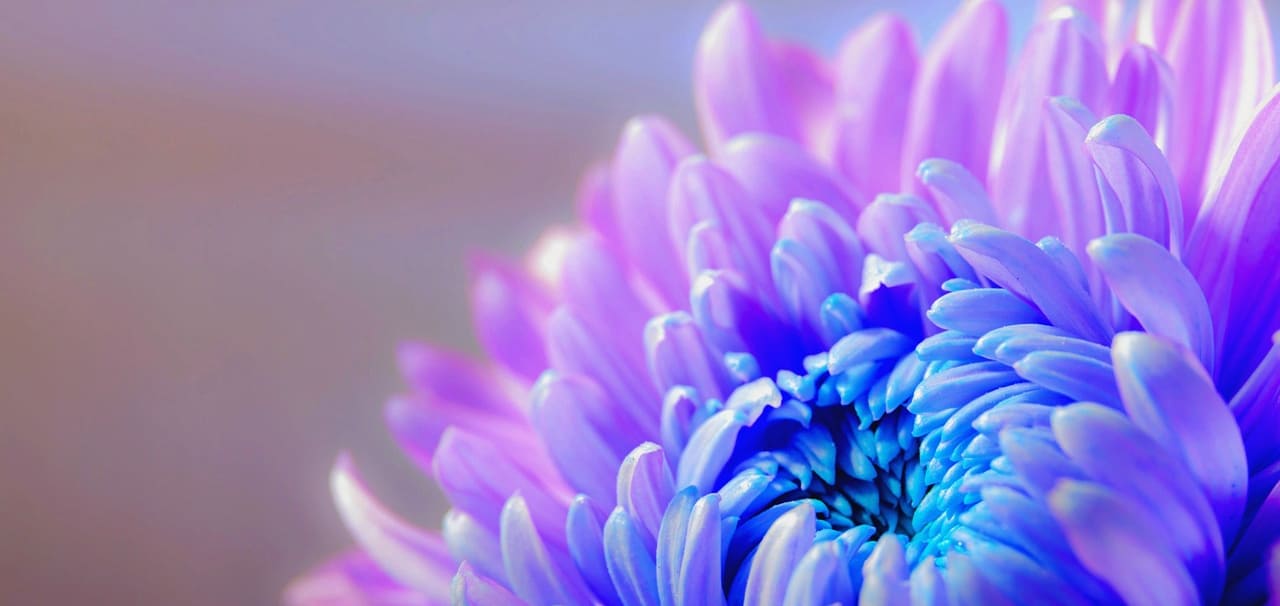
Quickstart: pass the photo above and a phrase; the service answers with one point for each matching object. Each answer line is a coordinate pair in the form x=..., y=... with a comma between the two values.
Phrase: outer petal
x=1158, y=290
x=411, y=556
x=532, y=572
x=1143, y=89
x=737, y=84
x=353, y=579
x=875, y=67
x=1234, y=246
x=1062, y=57
x=1170, y=396
x=1121, y=544
x=510, y=311
x=647, y=154
x=1221, y=56
x=470, y=588
x=955, y=97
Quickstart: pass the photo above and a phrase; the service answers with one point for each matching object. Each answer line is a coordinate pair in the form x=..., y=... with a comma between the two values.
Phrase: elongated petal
x=510, y=313
x=1221, y=57
x=1233, y=250
x=1137, y=185
x=1121, y=544
x=1062, y=57
x=1158, y=290
x=532, y=572
x=647, y=154
x=412, y=556
x=470, y=541
x=631, y=565
x=354, y=578
x=957, y=91
x=584, y=531
x=1170, y=396
x=470, y=588
x=737, y=84
x=574, y=405
x=875, y=69
x=1022, y=268
x=645, y=486
x=1257, y=409
x=780, y=551
x=1143, y=89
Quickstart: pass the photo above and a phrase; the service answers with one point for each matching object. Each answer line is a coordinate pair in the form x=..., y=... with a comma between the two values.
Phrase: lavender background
x=218, y=219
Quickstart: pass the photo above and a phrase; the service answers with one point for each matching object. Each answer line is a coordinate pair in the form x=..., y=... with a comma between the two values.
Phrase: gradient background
x=218, y=220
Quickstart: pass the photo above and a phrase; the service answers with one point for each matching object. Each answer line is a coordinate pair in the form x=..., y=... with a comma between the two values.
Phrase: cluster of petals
x=916, y=326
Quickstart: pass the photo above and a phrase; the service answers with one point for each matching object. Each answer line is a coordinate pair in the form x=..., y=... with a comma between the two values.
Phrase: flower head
x=914, y=328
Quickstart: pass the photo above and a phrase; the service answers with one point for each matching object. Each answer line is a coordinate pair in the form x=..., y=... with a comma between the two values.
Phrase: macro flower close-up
x=978, y=319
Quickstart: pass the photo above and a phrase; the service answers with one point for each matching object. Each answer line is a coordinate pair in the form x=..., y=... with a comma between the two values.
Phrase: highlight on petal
x=411, y=556
x=1233, y=249
x=737, y=85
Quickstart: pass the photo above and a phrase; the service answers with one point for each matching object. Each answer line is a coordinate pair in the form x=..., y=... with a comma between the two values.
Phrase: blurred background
x=218, y=219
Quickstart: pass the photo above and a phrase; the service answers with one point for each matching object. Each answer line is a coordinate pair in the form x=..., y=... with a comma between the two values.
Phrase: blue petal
x=630, y=564
x=1122, y=545
x=1169, y=396
x=532, y=573
x=778, y=554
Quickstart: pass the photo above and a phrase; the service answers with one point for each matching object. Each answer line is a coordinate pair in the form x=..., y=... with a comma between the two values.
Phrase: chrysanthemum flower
x=914, y=328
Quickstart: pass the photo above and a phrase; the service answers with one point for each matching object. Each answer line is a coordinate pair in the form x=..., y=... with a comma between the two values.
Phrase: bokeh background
x=218, y=219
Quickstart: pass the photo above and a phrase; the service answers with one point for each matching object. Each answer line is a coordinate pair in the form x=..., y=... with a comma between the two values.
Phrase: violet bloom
x=913, y=329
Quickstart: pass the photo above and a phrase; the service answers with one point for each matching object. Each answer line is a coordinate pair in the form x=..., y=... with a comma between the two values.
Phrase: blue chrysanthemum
x=1042, y=368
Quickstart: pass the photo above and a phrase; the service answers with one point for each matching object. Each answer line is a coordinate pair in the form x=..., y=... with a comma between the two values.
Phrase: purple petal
x=1233, y=250
x=470, y=588
x=958, y=88
x=573, y=405
x=630, y=562
x=955, y=192
x=1257, y=410
x=734, y=320
x=1121, y=544
x=1158, y=290
x=510, y=312
x=478, y=475
x=787, y=540
x=700, y=567
x=679, y=355
x=807, y=80
x=647, y=154
x=1138, y=188
x=1062, y=57
x=703, y=192
x=875, y=69
x=1221, y=58
x=1143, y=89
x=1071, y=180
x=355, y=579
x=470, y=541
x=575, y=349
x=532, y=572
x=414, y=557
x=1107, y=446
x=1170, y=396
x=1024, y=269
x=774, y=171
x=645, y=486
x=737, y=85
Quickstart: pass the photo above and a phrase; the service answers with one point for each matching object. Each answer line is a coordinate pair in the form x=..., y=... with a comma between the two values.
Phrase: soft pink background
x=218, y=219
